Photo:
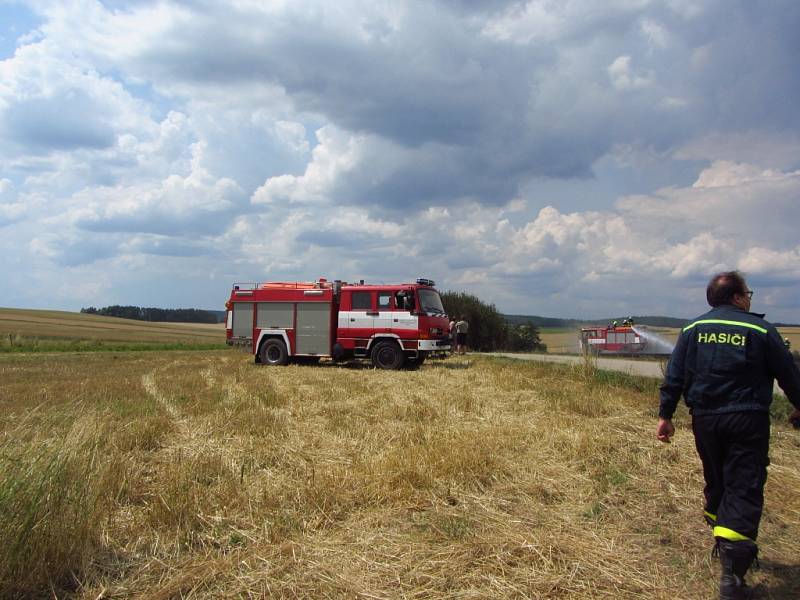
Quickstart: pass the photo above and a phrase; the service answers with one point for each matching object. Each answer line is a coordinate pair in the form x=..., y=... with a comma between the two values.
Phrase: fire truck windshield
x=429, y=302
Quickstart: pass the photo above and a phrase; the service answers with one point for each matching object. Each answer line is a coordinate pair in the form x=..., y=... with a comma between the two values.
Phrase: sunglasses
x=749, y=293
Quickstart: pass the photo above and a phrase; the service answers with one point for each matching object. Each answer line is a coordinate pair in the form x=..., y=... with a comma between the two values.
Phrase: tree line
x=549, y=322
x=488, y=329
x=158, y=315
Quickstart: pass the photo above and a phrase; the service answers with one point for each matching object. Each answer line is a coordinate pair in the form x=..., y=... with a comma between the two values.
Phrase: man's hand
x=665, y=430
x=794, y=418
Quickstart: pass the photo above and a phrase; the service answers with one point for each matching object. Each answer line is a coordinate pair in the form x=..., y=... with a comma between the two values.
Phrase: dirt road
x=644, y=368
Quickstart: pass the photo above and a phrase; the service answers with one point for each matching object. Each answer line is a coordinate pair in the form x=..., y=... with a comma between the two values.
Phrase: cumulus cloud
x=336, y=154
x=554, y=257
x=49, y=104
x=545, y=155
x=197, y=202
x=732, y=200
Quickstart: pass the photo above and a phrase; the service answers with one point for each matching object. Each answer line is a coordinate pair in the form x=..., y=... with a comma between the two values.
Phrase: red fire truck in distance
x=612, y=339
x=392, y=325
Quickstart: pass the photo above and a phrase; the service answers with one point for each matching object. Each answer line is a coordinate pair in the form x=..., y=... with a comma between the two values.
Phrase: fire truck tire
x=273, y=352
x=387, y=355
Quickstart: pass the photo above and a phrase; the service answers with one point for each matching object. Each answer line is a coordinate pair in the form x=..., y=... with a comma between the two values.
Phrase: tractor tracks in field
x=190, y=427
x=183, y=433
x=151, y=387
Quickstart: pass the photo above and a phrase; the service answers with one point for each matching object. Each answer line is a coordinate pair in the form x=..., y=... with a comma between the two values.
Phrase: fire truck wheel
x=387, y=355
x=273, y=352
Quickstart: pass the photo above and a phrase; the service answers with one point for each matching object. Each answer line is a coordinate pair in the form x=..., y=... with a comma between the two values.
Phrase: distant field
x=561, y=341
x=54, y=330
x=793, y=333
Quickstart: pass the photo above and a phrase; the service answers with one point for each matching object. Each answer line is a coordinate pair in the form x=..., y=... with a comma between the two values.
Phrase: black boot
x=735, y=558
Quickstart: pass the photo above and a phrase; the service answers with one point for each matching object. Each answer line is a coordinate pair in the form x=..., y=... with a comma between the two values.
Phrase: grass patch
x=52, y=505
x=780, y=409
x=645, y=385
x=17, y=343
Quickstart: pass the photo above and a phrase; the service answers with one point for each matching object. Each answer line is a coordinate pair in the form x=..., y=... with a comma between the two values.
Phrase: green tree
x=524, y=338
x=486, y=325
x=171, y=315
x=488, y=329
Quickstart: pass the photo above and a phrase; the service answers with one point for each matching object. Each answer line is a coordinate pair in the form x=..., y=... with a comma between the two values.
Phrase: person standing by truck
x=462, y=328
x=724, y=365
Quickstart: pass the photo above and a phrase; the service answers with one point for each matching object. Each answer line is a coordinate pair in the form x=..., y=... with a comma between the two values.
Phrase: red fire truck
x=392, y=325
x=612, y=339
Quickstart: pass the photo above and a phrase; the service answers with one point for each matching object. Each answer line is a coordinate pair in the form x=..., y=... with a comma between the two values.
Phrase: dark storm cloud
x=432, y=80
x=504, y=97
x=754, y=78
x=503, y=111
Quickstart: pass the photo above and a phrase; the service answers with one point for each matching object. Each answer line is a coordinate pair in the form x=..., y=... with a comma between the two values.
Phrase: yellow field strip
x=137, y=326
x=64, y=325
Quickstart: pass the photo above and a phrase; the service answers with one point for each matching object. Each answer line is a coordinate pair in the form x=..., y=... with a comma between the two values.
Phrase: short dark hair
x=724, y=286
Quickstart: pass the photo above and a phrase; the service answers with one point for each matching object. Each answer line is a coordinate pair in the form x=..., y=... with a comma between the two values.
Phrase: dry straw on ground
x=201, y=475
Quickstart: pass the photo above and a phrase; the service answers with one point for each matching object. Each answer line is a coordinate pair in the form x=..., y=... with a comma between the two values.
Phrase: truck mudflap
x=434, y=345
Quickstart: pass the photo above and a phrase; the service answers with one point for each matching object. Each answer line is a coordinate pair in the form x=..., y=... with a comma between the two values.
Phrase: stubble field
x=23, y=330
x=200, y=475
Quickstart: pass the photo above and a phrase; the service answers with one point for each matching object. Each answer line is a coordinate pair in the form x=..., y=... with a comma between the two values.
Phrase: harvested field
x=41, y=330
x=561, y=341
x=201, y=475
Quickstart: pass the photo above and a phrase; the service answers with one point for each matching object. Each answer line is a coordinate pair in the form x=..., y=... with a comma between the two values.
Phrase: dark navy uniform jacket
x=726, y=361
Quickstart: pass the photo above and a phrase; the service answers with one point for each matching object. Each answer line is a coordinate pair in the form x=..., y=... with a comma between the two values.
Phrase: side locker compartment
x=314, y=328
x=243, y=320
x=274, y=315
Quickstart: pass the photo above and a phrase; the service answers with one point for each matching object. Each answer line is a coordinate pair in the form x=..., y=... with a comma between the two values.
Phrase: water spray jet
x=655, y=344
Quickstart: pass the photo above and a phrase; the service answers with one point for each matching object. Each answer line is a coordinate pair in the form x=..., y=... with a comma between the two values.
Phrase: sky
x=563, y=158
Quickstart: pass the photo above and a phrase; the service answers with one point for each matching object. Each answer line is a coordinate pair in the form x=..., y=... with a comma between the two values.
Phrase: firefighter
x=724, y=364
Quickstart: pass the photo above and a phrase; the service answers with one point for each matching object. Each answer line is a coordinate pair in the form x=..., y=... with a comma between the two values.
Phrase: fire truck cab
x=392, y=325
